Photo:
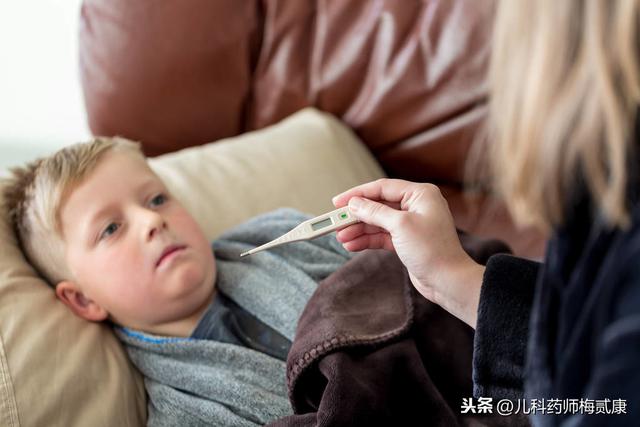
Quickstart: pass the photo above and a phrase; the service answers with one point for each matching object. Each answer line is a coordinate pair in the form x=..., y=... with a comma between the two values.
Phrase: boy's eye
x=158, y=200
x=109, y=230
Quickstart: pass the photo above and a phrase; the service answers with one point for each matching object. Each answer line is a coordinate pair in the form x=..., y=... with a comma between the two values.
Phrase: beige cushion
x=57, y=370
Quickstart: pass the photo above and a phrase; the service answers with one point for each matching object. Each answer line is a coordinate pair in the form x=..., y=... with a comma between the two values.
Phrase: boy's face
x=134, y=250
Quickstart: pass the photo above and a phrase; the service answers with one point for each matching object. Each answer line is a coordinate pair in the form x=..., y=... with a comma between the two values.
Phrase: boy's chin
x=191, y=285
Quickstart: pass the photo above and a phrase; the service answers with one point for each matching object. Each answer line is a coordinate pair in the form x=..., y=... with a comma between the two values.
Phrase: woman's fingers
x=363, y=236
x=370, y=241
x=383, y=190
x=356, y=230
x=374, y=213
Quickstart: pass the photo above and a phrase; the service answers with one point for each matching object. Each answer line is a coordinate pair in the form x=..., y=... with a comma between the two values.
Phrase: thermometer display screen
x=321, y=224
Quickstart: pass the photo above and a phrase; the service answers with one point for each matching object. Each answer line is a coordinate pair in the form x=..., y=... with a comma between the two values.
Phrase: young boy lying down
x=210, y=331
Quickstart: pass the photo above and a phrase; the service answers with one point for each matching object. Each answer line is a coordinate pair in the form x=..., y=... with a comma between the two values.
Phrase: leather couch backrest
x=408, y=76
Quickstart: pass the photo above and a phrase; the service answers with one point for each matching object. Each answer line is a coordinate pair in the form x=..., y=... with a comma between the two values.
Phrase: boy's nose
x=156, y=223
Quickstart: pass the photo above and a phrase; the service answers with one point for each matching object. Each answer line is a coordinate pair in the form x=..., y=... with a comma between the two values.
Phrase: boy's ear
x=72, y=297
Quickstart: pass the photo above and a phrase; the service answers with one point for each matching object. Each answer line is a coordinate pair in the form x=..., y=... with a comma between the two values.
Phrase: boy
x=210, y=335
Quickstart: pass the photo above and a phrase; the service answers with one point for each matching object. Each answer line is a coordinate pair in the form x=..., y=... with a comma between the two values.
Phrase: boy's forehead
x=115, y=174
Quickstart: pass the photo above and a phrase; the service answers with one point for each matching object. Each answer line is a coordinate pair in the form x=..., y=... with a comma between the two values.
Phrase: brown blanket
x=369, y=350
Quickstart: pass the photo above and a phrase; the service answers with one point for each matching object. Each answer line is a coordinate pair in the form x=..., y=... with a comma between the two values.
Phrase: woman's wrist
x=459, y=291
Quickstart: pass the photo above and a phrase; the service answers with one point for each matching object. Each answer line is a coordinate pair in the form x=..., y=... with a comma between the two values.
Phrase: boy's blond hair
x=36, y=192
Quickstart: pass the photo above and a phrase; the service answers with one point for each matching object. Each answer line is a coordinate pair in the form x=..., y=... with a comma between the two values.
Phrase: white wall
x=41, y=106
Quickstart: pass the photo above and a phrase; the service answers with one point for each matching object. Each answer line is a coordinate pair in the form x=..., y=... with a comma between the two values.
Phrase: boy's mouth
x=168, y=251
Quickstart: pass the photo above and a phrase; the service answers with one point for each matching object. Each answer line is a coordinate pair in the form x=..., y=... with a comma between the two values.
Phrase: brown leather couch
x=407, y=76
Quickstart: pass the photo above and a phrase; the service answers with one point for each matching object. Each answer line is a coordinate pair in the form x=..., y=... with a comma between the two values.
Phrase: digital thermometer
x=311, y=228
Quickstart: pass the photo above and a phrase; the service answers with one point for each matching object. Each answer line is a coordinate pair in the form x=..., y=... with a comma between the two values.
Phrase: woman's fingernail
x=355, y=203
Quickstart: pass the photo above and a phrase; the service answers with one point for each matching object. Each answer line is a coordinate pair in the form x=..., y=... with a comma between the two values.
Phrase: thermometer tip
x=245, y=254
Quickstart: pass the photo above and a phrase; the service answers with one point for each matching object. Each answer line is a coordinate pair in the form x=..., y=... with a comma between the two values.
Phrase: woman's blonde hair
x=35, y=193
x=564, y=89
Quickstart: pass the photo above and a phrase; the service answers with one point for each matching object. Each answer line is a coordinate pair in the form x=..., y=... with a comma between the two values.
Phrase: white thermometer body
x=311, y=228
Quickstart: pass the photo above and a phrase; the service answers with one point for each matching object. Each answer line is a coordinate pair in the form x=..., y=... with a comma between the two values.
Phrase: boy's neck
x=183, y=327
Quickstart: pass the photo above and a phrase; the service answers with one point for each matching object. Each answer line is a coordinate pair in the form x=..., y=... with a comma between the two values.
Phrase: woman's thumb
x=372, y=213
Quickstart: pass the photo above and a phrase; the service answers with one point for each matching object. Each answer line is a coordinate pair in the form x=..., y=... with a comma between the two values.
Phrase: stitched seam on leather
x=8, y=406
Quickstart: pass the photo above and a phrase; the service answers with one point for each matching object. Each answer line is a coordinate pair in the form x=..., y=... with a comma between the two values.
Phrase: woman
x=564, y=85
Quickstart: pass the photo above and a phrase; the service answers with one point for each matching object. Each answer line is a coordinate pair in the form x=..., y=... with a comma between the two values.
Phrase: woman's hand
x=413, y=219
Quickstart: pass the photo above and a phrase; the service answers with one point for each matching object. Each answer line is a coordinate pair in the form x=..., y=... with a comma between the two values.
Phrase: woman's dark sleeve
x=502, y=327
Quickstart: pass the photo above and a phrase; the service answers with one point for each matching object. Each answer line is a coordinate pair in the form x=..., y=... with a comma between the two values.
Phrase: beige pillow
x=57, y=370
